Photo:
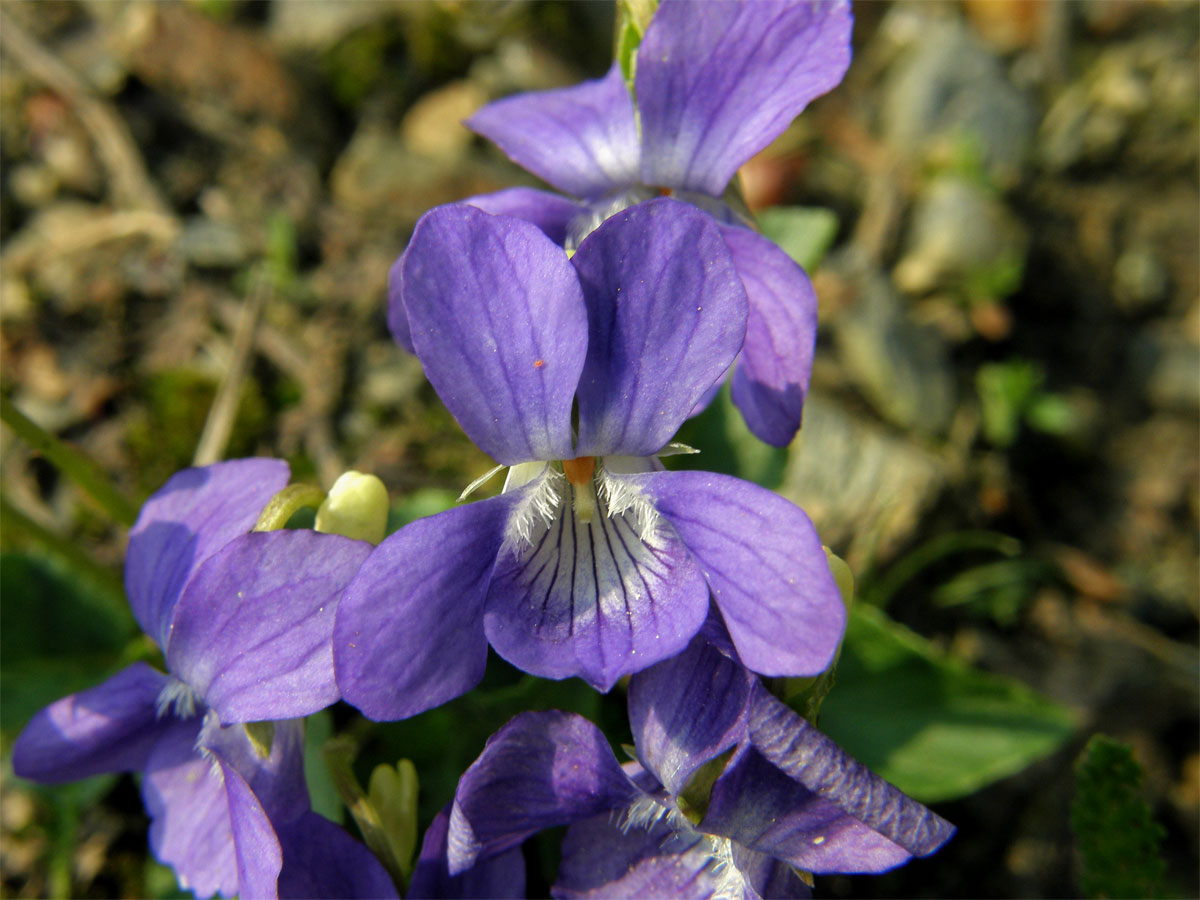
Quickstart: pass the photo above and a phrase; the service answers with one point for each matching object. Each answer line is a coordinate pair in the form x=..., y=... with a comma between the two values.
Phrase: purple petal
x=253, y=631
x=550, y=212
x=409, y=630
x=756, y=805
x=688, y=710
x=276, y=779
x=593, y=598
x=766, y=877
x=771, y=378
x=259, y=855
x=195, y=514
x=809, y=758
x=764, y=564
x=583, y=139
x=109, y=728
x=501, y=877
x=718, y=81
x=666, y=317
x=190, y=829
x=601, y=860
x=321, y=860
x=397, y=315
x=540, y=770
x=499, y=324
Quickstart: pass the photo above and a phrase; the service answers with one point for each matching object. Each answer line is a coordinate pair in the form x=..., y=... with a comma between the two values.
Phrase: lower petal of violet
x=599, y=599
x=600, y=858
x=409, y=630
x=109, y=728
x=190, y=830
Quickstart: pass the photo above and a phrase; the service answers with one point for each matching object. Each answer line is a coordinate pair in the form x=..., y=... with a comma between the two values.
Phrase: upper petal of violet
x=540, y=770
x=718, y=81
x=688, y=710
x=253, y=632
x=498, y=322
x=666, y=316
x=191, y=517
x=772, y=374
x=814, y=760
x=582, y=139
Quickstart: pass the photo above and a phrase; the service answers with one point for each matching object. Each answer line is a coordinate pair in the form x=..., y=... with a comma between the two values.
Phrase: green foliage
x=1011, y=392
x=59, y=632
x=805, y=233
x=633, y=17
x=1117, y=837
x=176, y=406
x=726, y=445
x=934, y=727
x=418, y=505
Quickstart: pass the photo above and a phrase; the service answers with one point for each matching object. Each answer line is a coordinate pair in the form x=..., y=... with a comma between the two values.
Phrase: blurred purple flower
x=245, y=622
x=786, y=798
x=715, y=82
x=593, y=562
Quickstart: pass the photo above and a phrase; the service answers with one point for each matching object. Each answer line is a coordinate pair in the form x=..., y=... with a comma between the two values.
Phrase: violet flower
x=593, y=562
x=715, y=82
x=786, y=798
x=244, y=621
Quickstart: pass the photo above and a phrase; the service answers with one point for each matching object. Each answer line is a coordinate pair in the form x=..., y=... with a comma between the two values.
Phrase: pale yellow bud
x=357, y=507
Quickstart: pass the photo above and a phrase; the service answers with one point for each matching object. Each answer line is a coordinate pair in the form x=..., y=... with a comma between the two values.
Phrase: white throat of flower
x=587, y=486
x=175, y=697
x=646, y=812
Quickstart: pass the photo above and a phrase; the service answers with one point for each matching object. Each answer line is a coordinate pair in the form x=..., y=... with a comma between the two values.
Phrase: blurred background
x=199, y=203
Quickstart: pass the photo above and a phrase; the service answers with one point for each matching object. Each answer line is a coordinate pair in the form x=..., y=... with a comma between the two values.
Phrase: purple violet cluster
x=570, y=338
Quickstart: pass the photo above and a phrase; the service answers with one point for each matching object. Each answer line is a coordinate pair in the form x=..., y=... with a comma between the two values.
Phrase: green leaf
x=318, y=728
x=59, y=632
x=929, y=724
x=633, y=17
x=805, y=233
x=727, y=446
x=417, y=505
x=1117, y=837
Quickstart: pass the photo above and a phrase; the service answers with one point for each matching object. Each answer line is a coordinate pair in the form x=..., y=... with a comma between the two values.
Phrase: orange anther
x=538, y=363
x=579, y=471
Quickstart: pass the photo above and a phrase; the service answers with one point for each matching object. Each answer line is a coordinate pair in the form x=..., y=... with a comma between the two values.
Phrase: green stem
x=71, y=463
x=287, y=503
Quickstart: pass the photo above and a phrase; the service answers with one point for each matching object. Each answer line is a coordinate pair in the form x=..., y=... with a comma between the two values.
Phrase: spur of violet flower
x=732, y=792
x=245, y=622
x=593, y=562
x=715, y=82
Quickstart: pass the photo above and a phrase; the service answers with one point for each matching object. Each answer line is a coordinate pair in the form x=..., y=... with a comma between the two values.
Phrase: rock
x=864, y=488
x=901, y=367
x=947, y=95
x=434, y=125
x=206, y=243
x=963, y=237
